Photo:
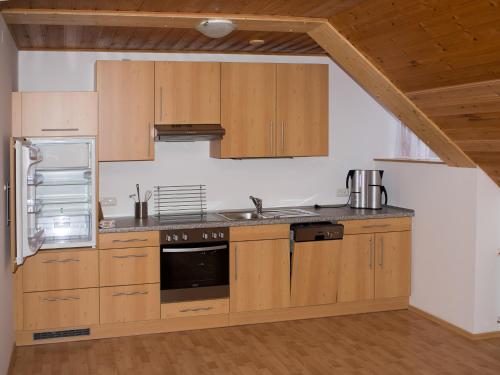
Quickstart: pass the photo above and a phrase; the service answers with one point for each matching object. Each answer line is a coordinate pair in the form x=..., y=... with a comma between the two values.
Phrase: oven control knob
x=214, y=235
x=184, y=237
x=221, y=235
x=168, y=238
x=204, y=236
x=175, y=237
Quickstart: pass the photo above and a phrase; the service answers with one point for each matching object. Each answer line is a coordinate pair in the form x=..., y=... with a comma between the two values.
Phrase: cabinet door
x=302, y=110
x=356, y=276
x=126, y=110
x=392, y=268
x=315, y=271
x=248, y=110
x=187, y=92
x=260, y=275
x=58, y=114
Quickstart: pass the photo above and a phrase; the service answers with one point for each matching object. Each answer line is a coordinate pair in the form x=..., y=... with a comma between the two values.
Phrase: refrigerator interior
x=63, y=201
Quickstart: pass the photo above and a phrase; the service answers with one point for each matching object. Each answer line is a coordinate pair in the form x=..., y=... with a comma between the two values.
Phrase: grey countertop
x=131, y=224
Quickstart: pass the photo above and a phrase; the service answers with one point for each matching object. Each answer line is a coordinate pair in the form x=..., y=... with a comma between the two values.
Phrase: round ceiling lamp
x=215, y=28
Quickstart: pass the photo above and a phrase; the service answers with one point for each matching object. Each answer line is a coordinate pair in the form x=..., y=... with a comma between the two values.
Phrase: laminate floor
x=399, y=342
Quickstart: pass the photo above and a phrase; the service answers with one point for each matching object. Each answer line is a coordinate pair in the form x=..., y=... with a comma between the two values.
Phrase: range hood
x=188, y=133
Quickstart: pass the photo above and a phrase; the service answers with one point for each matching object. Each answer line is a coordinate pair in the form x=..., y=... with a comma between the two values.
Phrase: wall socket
x=108, y=201
x=342, y=192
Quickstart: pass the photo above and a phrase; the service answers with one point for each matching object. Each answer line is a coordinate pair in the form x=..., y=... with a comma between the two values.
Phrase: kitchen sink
x=267, y=214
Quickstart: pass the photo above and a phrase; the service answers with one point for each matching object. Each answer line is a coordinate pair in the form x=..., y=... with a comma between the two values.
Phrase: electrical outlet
x=108, y=201
x=342, y=192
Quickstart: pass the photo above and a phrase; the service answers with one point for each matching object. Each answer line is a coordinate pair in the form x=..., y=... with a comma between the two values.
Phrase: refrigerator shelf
x=65, y=182
x=35, y=180
x=66, y=239
x=53, y=200
x=34, y=208
x=64, y=169
x=64, y=212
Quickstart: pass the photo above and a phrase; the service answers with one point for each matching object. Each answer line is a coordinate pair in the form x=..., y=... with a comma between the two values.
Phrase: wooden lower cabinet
x=259, y=275
x=315, y=273
x=195, y=308
x=129, y=303
x=60, y=309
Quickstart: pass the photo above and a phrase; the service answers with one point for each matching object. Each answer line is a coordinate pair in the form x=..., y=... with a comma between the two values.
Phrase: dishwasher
x=315, y=255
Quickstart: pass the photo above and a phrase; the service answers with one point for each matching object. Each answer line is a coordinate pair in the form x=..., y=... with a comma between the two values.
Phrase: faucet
x=258, y=204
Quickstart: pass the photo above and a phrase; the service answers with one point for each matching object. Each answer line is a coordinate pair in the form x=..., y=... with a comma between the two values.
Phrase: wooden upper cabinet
x=187, y=92
x=126, y=110
x=260, y=275
x=54, y=114
x=356, y=274
x=248, y=111
x=392, y=264
x=302, y=110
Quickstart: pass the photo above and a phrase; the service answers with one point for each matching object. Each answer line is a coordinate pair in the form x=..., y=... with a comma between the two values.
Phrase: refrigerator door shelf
x=35, y=242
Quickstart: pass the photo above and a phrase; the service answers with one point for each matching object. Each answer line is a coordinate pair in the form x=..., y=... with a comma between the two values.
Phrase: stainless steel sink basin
x=267, y=214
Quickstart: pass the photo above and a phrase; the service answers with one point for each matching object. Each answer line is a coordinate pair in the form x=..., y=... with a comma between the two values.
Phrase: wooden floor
x=387, y=343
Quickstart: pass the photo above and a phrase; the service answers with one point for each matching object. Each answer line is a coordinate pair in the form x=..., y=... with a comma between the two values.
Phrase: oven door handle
x=193, y=249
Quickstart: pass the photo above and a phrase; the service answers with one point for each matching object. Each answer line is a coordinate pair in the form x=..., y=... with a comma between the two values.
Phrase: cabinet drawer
x=61, y=270
x=377, y=225
x=129, y=266
x=58, y=309
x=259, y=232
x=195, y=308
x=128, y=239
x=130, y=303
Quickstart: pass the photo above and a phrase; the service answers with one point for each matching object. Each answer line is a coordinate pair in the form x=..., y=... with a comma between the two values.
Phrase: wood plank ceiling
x=442, y=54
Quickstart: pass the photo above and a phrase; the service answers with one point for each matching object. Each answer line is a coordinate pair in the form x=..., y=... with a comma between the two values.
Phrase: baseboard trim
x=451, y=327
x=12, y=361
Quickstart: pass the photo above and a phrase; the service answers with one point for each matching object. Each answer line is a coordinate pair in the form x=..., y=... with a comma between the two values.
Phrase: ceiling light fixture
x=216, y=28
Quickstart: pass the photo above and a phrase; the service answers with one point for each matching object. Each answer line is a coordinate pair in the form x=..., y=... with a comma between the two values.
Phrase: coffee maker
x=366, y=188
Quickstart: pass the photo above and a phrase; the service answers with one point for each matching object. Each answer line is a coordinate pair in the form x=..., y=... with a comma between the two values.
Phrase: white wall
x=8, y=82
x=359, y=131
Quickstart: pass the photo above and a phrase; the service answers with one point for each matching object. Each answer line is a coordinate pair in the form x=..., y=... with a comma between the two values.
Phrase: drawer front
x=61, y=270
x=129, y=239
x=195, y=308
x=59, y=309
x=259, y=232
x=130, y=303
x=377, y=225
x=129, y=266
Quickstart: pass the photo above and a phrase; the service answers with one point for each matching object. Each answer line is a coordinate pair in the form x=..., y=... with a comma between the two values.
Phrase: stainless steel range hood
x=188, y=133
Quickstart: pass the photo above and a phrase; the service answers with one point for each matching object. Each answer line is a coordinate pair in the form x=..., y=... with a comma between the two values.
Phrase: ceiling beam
x=156, y=19
x=354, y=63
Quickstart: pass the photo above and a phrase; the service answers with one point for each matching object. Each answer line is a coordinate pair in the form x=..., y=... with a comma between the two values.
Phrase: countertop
x=131, y=224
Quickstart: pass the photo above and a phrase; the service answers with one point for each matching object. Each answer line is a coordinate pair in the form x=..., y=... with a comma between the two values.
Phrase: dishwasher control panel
x=322, y=231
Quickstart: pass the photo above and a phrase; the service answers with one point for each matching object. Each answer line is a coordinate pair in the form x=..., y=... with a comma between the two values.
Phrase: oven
x=194, y=264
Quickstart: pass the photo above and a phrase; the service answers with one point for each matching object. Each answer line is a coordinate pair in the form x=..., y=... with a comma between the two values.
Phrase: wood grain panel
x=129, y=266
x=377, y=225
x=49, y=270
x=128, y=239
x=259, y=232
x=58, y=309
x=194, y=308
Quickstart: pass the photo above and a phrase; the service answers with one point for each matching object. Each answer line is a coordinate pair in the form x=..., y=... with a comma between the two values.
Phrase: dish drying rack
x=180, y=200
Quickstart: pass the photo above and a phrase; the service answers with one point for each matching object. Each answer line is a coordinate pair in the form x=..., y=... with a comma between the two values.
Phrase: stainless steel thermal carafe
x=366, y=188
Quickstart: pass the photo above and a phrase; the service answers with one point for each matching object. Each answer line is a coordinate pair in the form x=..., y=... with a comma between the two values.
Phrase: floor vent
x=59, y=334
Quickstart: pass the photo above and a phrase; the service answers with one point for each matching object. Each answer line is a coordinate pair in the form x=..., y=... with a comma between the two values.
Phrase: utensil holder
x=141, y=210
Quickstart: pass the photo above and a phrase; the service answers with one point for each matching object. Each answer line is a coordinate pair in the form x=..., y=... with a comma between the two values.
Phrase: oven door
x=194, y=272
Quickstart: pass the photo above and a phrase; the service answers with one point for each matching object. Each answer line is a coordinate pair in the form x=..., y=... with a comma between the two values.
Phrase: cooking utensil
x=138, y=193
x=148, y=195
x=134, y=197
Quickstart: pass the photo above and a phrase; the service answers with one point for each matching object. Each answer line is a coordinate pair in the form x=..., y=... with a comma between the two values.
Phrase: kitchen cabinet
x=126, y=110
x=195, y=308
x=260, y=275
x=187, y=92
x=248, y=111
x=315, y=272
x=356, y=275
x=302, y=110
x=273, y=110
x=54, y=114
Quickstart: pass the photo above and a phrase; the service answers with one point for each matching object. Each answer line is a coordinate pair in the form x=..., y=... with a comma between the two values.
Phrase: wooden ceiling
x=443, y=55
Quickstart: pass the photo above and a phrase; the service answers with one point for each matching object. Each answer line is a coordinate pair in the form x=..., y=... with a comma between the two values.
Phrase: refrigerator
x=55, y=194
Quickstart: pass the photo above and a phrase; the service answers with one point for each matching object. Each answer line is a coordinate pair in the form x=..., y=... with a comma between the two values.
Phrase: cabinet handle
x=371, y=254
x=130, y=256
x=6, y=188
x=376, y=226
x=235, y=262
x=68, y=260
x=283, y=137
x=131, y=240
x=271, y=137
x=56, y=299
x=196, y=309
x=381, y=263
x=120, y=294
x=161, y=104
x=60, y=130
